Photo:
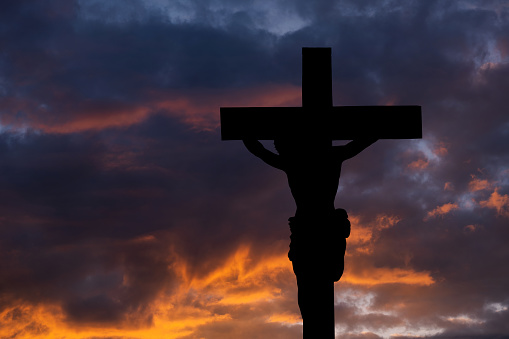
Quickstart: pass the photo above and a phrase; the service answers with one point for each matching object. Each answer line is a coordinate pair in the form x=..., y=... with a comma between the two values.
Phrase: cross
x=319, y=119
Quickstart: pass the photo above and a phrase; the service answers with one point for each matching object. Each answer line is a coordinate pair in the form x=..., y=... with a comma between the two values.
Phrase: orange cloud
x=72, y=116
x=239, y=282
x=472, y=228
x=418, y=164
x=498, y=202
x=48, y=322
x=441, y=149
x=263, y=285
x=285, y=318
x=362, y=241
x=363, y=235
x=383, y=275
x=360, y=234
x=448, y=186
x=199, y=109
x=383, y=221
x=441, y=210
x=478, y=185
x=464, y=320
x=97, y=117
x=175, y=312
x=423, y=154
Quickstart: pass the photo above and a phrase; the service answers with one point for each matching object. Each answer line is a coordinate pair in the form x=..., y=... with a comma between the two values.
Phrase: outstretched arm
x=256, y=147
x=354, y=147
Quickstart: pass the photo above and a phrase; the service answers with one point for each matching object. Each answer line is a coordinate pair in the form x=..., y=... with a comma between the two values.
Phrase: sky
x=124, y=216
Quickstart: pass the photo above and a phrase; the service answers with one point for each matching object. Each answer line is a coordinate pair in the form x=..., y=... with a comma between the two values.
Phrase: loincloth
x=318, y=245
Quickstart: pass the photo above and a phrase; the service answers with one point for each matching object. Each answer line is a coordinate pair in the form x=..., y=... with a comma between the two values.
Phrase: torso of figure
x=313, y=168
x=313, y=180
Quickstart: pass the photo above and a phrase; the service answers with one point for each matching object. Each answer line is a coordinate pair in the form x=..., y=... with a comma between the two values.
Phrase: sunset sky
x=124, y=216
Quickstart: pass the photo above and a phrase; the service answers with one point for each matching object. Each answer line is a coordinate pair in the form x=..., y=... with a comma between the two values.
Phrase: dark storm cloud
x=64, y=228
x=60, y=65
x=95, y=57
x=90, y=221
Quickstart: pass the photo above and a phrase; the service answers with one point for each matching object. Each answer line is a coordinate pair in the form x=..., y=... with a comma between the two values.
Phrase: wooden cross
x=317, y=112
x=319, y=119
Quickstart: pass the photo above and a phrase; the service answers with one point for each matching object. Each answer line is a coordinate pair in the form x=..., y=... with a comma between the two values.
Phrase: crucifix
x=303, y=139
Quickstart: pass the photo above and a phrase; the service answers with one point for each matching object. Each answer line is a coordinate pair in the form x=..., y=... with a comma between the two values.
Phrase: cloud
x=448, y=186
x=91, y=75
x=379, y=275
x=498, y=202
x=364, y=234
x=124, y=216
x=94, y=222
x=217, y=297
x=418, y=164
x=442, y=210
x=197, y=109
x=478, y=184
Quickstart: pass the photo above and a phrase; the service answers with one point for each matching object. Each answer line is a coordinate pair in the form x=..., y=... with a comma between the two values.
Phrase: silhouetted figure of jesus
x=318, y=229
x=303, y=138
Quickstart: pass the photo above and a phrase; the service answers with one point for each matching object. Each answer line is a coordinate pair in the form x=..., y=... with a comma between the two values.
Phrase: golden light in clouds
x=285, y=318
x=440, y=149
x=97, y=118
x=196, y=108
x=238, y=281
x=371, y=276
x=477, y=184
x=361, y=241
x=498, y=202
x=441, y=210
x=364, y=234
x=418, y=164
x=175, y=314
x=200, y=109
x=241, y=280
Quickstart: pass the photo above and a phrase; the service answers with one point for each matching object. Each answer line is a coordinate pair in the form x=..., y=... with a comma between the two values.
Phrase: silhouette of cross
x=318, y=119
x=317, y=113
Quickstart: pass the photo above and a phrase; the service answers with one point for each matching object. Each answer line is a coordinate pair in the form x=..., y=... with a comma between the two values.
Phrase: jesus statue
x=318, y=229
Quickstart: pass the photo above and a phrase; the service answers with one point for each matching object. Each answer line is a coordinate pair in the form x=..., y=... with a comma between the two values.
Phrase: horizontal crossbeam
x=340, y=123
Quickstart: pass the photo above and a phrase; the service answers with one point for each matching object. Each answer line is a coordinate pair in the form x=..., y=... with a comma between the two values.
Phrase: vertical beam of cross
x=316, y=77
x=319, y=322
